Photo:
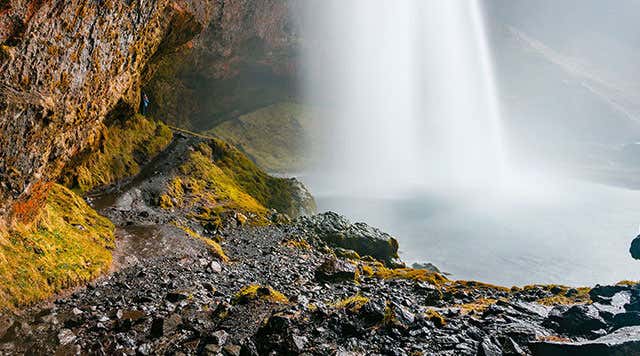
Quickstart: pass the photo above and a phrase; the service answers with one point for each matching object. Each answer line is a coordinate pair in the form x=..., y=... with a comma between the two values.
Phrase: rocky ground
x=316, y=285
x=187, y=302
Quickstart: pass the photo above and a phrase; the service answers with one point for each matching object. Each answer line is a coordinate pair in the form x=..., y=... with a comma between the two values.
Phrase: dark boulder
x=625, y=341
x=277, y=335
x=626, y=319
x=489, y=348
x=635, y=248
x=162, y=326
x=373, y=311
x=337, y=231
x=577, y=320
x=336, y=270
x=603, y=294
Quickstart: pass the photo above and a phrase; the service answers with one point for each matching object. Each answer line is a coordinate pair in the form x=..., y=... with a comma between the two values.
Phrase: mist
x=476, y=130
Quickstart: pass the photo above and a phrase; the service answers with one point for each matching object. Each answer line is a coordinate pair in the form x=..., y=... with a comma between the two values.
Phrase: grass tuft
x=214, y=247
x=352, y=304
x=257, y=292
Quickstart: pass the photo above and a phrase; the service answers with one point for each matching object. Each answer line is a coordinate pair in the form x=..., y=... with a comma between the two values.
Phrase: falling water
x=408, y=95
x=412, y=141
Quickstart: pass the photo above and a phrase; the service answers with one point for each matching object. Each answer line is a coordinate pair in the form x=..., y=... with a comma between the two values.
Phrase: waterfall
x=406, y=93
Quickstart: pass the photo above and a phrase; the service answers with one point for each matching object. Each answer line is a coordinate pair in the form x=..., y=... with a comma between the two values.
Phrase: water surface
x=574, y=233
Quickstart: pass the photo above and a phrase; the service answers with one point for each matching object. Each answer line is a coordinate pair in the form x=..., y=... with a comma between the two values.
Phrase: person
x=145, y=103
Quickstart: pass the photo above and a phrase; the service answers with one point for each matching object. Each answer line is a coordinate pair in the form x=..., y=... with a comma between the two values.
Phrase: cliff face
x=245, y=59
x=66, y=66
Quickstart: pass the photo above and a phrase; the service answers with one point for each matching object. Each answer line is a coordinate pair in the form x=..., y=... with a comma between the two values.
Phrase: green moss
x=256, y=292
x=352, y=304
x=174, y=194
x=344, y=253
x=215, y=178
x=125, y=146
x=477, y=306
x=65, y=245
x=409, y=273
x=208, y=185
x=270, y=191
x=298, y=244
x=214, y=247
x=275, y=137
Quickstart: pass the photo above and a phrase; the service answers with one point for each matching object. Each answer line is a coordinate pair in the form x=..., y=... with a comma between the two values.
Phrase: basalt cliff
x=68, y=67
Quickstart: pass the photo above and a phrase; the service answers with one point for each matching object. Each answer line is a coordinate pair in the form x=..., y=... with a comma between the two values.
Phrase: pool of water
x=575, y=233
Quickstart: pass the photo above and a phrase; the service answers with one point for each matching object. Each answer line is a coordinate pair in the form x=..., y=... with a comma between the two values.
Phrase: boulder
x=427, y=266
x=276, y=335
x=635, y=248
x=626, y=319
x=373, y=311
x=162, y=326
x=337, y=231
x=625, y=341
x=336, y=270
x=604, y=294
x=577, y=320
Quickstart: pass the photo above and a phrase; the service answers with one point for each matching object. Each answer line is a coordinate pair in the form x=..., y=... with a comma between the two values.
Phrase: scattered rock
x=215, y=267
x=219, y=337
x=175, y=297
x=336, y=270
x=66, y=336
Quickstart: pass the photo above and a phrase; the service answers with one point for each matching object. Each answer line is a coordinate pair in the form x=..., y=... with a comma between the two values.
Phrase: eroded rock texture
x=245, y=59
x=65, y=66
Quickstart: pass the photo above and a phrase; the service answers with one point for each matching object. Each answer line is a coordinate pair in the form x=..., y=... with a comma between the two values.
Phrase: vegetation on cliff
x=125, y=146
x=216, y=179
x=56, y=241
x=274, y=137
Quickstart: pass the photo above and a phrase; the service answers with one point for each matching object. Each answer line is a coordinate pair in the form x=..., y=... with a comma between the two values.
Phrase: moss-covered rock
x=56, y=241
x=275, y=137
x=257, y=292
x=337, y=231
x=352, y=304
x=215, y=179
x=125, y=147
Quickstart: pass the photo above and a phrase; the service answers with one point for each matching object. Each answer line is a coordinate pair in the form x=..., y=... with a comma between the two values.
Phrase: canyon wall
x=67, y=66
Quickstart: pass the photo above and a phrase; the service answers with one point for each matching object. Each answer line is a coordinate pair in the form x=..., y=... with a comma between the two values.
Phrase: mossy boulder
x=337, y=231
x=634, y=250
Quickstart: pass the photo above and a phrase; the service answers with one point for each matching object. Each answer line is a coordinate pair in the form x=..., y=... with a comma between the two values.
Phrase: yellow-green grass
x=55, y=241
x=217, y=178
x=275, y=137
x=214, y=247
x=124, y=147
x=408, y=273
x=254, y=292
x=352, y=304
